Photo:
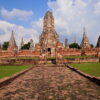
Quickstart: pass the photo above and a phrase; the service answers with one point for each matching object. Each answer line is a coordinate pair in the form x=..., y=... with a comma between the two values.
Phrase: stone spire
x=98, y=42
x=48, y=23
x=12, y=43
x=85, y=42
x=66, y=43
x=22, y=43
x=0, y=46
x=31, y=44
x=49, y=36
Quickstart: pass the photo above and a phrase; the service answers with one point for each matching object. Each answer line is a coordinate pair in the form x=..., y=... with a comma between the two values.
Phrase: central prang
x=49, y=41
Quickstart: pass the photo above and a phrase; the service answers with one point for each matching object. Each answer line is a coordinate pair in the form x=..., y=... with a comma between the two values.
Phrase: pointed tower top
x=48, y=23
x=31, y=44
x=85, y=42
x=84, y=30
x=66, y=43
x=12, y=42
x=22, y=43
x=98, y=42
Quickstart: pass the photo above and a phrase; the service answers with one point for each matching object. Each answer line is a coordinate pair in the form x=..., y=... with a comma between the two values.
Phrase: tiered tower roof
x=85, y=42
x=22, y=43
x=66, y=43
x=31, y=44
x=12, y=43
x=98, y=42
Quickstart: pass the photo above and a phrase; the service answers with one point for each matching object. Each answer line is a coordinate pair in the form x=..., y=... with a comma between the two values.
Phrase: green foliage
x=92, y=46
x=10, y=70
x=5, y=45
x=89, y=68
x=51, y=58
x=35, y=58
x=26, y=46
x=74, y=45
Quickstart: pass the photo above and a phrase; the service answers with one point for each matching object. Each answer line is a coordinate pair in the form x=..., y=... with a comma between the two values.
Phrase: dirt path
x=50, y=83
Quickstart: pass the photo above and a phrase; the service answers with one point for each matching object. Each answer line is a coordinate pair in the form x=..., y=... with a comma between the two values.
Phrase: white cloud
x=97, y=8
x=16, y=14
x=70, y=18
x=19, y=32
x=72, y=15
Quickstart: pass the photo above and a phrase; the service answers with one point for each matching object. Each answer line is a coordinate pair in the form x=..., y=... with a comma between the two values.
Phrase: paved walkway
x=50, y=83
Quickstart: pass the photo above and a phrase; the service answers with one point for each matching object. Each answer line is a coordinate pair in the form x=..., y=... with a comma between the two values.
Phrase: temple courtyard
x=51, y=82
x=50, y=78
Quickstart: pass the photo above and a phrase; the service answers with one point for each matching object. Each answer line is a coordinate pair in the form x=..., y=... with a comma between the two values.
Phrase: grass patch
x=89, y=68
x=10, y=70
x=50, y=58
x=35, y=58
x=73, y=57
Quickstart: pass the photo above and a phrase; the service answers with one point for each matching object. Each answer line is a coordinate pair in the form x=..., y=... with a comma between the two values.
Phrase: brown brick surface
x=50, y=83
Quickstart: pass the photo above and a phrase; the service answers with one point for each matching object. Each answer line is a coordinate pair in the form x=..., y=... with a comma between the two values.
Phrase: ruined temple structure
x=85, y=42
x=98, y=46
x=12, y=43
x=21, y=44
x=0, y=46
x=98, y=43
x=66, y=43
x=49, y=43
x=31, y=45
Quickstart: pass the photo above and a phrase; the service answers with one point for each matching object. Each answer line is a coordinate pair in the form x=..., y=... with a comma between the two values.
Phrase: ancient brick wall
x=28, y=53
x=5, y=53
x=71, y=52
x=91, y=51
x=63, y=52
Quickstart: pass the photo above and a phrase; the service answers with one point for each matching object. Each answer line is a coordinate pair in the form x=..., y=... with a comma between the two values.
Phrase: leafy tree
x=26, y=46
x=92, y=46
x=5, y=45
x=74, y=45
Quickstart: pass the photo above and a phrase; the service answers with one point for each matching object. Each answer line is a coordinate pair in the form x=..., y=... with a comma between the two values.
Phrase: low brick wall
x=15, y=61
x=80, y=60
x=91, y=78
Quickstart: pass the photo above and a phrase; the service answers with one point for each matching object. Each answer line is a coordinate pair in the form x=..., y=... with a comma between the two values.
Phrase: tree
x=74, y=45
x=5, y=45
x=26, y=46
x=92, y=46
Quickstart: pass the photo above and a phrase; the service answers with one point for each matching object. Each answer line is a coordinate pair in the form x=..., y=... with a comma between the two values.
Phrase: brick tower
x=98, y=43
x=12, y=43
x=22, y=43
x=31, y=45
x=85, y=42
x=66, y=43
x=48, y=41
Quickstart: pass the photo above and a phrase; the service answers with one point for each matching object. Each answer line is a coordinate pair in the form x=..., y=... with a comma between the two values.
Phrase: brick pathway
x=50, y=83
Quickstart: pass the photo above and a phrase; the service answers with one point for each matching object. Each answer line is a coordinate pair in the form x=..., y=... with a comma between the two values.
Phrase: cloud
x=16, y=14
x=72, y=15
x=97, y=8
x=70, y=18
x=19, y=32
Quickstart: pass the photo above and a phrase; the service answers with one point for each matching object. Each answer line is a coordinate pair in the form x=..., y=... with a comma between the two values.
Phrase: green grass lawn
x=10, y=70
x=89, y=68
x=35, y=58
x=73, y=57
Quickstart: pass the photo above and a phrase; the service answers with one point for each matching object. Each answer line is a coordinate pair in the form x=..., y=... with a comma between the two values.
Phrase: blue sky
x=38, y=7
x=25, y=18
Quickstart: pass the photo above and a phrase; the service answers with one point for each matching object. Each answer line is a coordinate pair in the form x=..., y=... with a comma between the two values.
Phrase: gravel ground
x=50, y=83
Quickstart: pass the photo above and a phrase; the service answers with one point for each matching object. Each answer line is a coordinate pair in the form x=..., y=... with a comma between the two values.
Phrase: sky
x=25, y=18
